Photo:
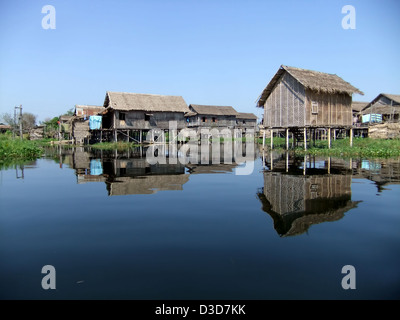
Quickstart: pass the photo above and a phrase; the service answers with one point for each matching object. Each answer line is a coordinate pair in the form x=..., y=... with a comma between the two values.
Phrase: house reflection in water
x=130, y=172
x=300, y=192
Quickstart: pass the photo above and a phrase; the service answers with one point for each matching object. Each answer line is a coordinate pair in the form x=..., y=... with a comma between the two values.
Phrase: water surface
x=116, y=227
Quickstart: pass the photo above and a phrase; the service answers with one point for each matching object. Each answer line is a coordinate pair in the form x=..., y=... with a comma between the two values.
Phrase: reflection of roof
x=297, y=223
x=211, y=168
x=295, y=202
x=146, y=184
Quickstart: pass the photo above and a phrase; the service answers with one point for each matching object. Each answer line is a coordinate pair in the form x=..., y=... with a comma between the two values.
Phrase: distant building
x=130, y=116
x=4, y=128
x=384, y=108
x=79, y=123
x=211, y=117
x=246, y=121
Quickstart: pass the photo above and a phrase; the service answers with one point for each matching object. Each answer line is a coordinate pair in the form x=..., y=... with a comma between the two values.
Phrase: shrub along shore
x=16, y=150
x=362, y=147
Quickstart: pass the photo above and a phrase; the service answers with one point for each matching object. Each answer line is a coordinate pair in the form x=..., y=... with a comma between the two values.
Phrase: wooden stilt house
x=130, y=116
x=300, y=101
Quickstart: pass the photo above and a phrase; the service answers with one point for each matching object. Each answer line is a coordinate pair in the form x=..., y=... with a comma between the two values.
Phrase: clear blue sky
x=209, y=52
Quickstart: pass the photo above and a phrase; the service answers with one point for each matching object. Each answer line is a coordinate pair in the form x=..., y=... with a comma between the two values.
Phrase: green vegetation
x=114, y=145
x=18, y=150
x=362, y=147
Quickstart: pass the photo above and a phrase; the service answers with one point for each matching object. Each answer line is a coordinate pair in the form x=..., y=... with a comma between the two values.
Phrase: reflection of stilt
x=304, y=165
x=263, y=159
x=329, y=165
x=287, y=161
x=22, y=172
x=272, y=161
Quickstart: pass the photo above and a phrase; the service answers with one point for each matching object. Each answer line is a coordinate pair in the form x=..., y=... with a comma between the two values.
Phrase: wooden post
x=263, y=140
x=128, y=136
x=115, y=136
x=272, y=139
x=351, y=137
x=287, y=139
x=305, y=138
x=334, y=134
x=20, y=122
x=140, y=136
x=329, y=138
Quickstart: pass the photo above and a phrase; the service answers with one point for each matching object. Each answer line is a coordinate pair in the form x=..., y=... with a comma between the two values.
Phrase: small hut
x=300, y=101
x=129, y=116
x=384, y=108
x=79, y=127
x=246, y=121
x=211, y=117
x=4, y=128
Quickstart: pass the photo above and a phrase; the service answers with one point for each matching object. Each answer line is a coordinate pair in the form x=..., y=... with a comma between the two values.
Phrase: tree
x=28, y=121
x=70, y=112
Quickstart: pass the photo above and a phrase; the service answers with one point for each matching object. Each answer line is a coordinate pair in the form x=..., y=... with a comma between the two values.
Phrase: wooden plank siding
x=290, y=105
x=137, y=120
x=285, y=105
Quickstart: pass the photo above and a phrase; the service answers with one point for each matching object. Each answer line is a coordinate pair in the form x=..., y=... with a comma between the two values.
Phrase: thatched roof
x=213, y=110
x=358, y=105
x=125, y=101
x=392, y=108
x=244, y=115
x=312, y=80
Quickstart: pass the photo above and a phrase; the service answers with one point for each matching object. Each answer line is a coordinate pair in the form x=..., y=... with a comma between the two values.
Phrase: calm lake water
x=116, y=227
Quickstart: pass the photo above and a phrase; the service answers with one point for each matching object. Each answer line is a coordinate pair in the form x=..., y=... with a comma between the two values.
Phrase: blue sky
x=209, y=52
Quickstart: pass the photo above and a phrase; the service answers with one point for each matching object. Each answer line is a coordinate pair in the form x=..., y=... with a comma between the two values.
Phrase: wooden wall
x=285, y=105
x=290, y=105
x=333, y=109
x=160, y=120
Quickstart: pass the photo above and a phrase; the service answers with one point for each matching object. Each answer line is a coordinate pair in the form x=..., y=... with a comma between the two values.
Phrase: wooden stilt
x=305, y=138
x=351, y=137
x=287, y=138
x=272, y=139
x=263, y=144
x=329, y=138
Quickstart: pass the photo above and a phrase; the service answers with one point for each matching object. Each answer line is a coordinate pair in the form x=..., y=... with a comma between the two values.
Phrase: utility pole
x=19, y=120
x=15, y=122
